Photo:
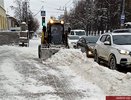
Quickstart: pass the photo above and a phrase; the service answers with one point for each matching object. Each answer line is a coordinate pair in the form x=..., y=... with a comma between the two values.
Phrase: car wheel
x=96, y=58
x=112, y=63
x=87, y=55
x=83, y=49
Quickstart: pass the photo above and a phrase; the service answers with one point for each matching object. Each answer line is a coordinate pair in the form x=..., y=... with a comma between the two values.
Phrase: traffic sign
x=43, y=13
x=122, y=17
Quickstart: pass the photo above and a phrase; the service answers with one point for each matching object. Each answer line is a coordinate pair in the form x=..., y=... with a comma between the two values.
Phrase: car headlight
x=124, y=52
x=89, y=52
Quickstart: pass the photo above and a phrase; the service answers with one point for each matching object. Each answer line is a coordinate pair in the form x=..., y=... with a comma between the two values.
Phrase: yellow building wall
x=3, y=19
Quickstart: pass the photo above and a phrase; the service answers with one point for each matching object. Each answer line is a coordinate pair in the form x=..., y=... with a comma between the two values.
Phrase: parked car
x=72, y=41
x=114, y=48
x=77, y=32
x=87, y=43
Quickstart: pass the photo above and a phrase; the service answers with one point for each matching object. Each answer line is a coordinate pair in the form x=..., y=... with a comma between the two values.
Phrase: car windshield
x=92, y=39
x=80, y=33
x=73, y=37
x=122, y=39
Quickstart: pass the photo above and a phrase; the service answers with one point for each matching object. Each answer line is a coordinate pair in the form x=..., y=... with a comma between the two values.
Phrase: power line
x=70, y=4
x=67, y=2
x=38, y=11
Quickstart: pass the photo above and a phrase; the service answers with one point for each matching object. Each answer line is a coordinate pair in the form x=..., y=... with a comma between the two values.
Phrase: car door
x=100, y=46
x=106, y=48
x=81, y=44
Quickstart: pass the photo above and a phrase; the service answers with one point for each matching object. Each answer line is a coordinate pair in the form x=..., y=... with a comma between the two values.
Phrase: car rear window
x=92, y=39
x=80, y=33
x=73, y=37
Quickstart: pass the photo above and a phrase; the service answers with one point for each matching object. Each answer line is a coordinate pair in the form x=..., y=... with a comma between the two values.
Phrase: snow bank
x=67, y=57
x=23, y=51
x=110, y=81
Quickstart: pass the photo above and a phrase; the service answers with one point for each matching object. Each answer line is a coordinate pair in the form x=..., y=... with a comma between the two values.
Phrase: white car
x=72, y=41
x=115, y=48
x=78, y=32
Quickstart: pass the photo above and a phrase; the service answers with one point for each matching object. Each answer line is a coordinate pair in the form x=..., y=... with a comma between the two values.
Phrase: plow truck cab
x=53, y=39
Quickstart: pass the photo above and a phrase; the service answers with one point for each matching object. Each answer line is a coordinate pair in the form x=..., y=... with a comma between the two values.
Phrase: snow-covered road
x=68, y=75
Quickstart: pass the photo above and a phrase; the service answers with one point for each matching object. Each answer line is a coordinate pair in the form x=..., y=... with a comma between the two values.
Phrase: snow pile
x=23, y=51
x=91, y=91
x=110, y=81
x=67, y=57
x=83, y=74
x=17, y=79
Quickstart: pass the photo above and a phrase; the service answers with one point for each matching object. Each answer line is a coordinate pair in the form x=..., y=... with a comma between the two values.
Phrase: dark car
x=86, y=44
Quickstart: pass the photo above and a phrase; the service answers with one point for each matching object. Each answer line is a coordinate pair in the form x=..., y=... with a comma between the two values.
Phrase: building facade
x=12, y=22
x=3, y=18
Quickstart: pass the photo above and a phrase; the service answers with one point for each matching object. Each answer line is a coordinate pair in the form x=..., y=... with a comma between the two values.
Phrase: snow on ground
x=110, y=81
x=86, y=76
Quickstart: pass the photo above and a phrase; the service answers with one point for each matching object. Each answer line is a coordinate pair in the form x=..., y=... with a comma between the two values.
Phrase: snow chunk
x=67, y=57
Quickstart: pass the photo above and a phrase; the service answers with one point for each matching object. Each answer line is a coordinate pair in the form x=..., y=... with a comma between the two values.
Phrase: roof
x=127, y=30
x=121, y=33
x=129, y=23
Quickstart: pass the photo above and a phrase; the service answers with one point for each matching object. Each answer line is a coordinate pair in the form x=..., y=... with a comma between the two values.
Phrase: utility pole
x=26, y=11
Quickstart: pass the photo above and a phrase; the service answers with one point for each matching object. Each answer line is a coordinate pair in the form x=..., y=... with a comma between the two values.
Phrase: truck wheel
x=39, y=51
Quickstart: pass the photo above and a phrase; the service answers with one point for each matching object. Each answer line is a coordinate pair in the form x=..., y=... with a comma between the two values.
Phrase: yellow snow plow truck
x=53, y=39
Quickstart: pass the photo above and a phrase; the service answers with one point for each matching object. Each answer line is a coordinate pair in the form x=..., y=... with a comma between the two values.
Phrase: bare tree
x=24, y=14
x=98, y=15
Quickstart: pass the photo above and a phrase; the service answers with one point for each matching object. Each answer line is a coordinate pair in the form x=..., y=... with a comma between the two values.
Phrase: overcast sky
x=50, y=6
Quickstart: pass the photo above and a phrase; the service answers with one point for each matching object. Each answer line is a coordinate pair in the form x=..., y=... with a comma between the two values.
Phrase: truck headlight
x=51, y=21
x=124, y=52
x=62, y=22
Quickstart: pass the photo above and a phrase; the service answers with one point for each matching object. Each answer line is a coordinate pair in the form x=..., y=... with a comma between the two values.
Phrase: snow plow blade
x=45, y=53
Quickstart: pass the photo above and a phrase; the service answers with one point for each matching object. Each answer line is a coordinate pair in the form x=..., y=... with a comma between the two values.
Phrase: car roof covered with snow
x=126, y=30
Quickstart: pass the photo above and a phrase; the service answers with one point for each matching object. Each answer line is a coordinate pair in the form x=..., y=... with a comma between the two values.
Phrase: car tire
x=112, y=63
x=87, y=55
x=96, y=58
x=83, y=49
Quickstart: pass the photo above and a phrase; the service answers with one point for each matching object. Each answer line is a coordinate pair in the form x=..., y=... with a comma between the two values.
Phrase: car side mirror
x=107, y=43
x=87, y=42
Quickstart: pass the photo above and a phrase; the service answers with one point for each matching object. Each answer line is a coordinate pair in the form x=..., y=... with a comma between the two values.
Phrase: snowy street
x=67, y=75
